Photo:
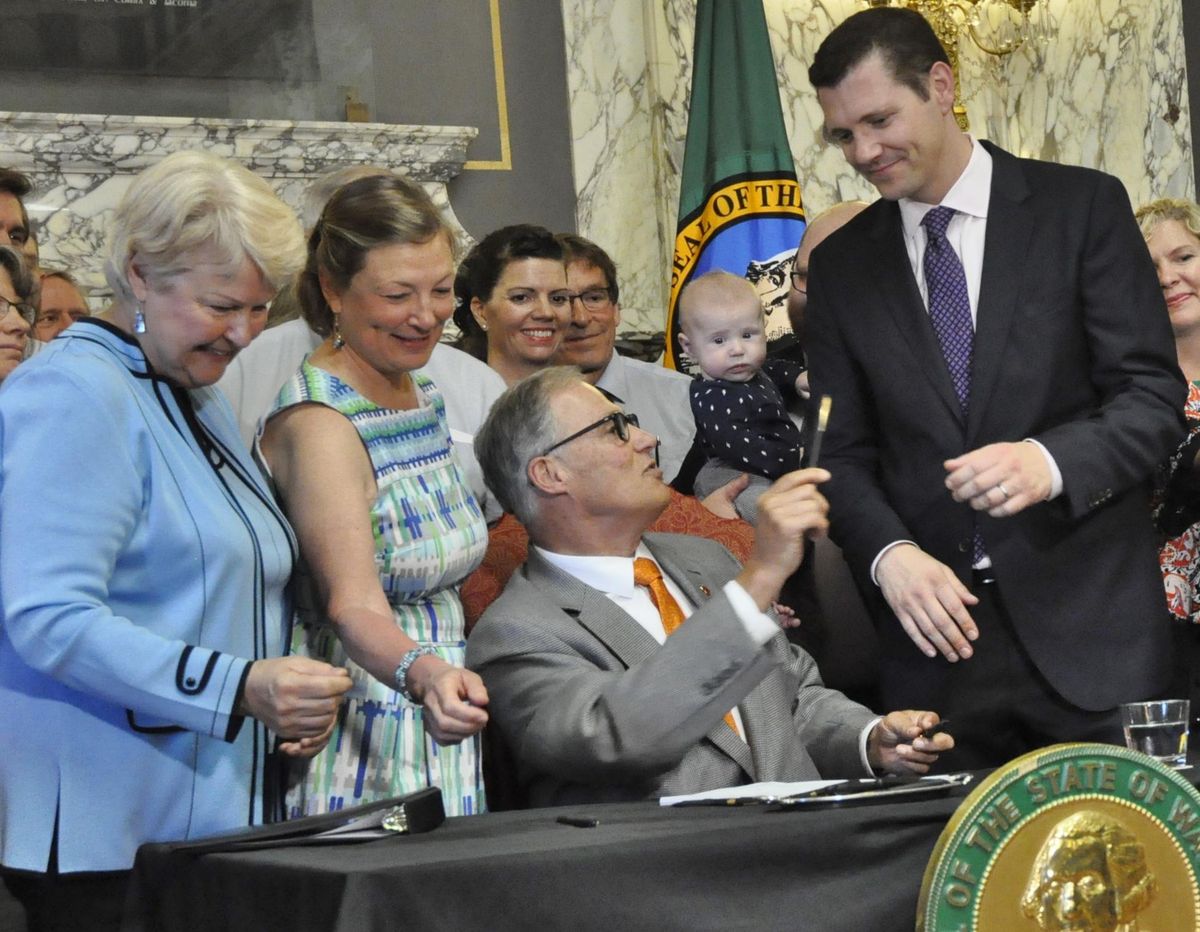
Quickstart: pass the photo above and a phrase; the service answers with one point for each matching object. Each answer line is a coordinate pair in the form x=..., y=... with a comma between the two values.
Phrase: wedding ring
x=1003, y=490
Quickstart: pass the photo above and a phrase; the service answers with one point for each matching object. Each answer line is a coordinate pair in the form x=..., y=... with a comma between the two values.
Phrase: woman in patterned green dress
x=358, y=447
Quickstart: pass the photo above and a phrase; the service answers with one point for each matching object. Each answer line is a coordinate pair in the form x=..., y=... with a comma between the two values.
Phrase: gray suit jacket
x=591, y=708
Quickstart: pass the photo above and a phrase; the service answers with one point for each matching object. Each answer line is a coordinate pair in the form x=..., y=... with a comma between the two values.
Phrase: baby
x=741, y=416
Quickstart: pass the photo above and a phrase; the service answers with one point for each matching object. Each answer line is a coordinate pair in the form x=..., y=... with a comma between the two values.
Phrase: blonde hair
x=193, y=201
x=1151, y=216
x=717, y=286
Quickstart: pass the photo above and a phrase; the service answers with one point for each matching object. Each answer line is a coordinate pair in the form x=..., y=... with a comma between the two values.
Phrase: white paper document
x=770, y=792
x=751, y=790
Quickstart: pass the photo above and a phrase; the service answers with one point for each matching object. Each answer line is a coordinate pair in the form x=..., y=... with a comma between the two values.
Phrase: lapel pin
x=704, y=590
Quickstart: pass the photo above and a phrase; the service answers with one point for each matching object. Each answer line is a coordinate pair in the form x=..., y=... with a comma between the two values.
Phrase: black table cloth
x=747, y=867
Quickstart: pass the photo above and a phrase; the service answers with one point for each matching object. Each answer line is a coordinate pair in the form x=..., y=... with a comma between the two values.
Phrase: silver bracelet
x=401, y=674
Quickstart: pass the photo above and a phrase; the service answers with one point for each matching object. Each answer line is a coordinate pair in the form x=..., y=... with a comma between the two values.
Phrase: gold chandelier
x=997, y=27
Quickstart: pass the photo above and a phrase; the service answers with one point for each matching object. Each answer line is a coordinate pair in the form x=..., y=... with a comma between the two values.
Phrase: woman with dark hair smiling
x=513, y=302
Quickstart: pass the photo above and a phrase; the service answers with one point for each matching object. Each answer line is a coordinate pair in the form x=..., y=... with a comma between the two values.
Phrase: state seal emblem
x=1079, y=837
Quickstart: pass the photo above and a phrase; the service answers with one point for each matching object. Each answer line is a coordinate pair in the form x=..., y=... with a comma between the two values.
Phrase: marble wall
x=81, y=165
x=408, y=61
x=1106, y=90
x=616, y=146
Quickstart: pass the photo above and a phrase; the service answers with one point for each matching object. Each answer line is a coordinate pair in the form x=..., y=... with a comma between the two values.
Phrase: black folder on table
x=410, y=814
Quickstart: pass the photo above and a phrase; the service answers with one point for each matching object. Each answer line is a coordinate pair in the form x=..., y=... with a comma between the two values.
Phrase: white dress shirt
x=614, y=577
x=969, y=196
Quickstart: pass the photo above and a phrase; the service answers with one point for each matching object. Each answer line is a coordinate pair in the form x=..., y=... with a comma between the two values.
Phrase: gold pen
x=823, y=409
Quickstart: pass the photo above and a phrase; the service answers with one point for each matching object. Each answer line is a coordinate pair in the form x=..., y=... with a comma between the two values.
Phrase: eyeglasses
x=28, y=311
x=800, y=282
x=619, y=420
x=594, y=299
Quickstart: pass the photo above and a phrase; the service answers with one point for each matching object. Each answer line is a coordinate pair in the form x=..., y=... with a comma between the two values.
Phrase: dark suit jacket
x=1073, y=348
x=592, y=708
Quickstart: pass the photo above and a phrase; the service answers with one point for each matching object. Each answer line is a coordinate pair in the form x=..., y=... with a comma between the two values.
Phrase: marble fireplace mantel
x=81, y=164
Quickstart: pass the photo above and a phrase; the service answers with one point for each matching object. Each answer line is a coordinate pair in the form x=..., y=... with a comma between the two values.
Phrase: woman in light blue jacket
x=143, y=562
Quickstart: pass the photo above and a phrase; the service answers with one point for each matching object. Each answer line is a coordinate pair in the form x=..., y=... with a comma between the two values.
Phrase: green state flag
x=739, y=200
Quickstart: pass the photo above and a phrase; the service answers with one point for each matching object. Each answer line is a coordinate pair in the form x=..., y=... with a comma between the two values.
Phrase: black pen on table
x=577, y=821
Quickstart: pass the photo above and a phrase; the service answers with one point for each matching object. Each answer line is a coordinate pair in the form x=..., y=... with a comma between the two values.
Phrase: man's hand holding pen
x=907, y=742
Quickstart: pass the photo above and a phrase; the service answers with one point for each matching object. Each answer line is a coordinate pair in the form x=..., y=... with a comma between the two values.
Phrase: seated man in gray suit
x=591, y=698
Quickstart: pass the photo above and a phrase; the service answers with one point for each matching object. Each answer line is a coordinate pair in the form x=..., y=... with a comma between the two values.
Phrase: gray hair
x=321, y=190
x=192, y=201
x=39, y=280
x=520, y=425
x=17, y=267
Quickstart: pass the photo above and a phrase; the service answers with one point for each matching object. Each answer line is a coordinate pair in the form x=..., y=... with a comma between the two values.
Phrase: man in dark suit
x=591, y=697
x=1004, y=382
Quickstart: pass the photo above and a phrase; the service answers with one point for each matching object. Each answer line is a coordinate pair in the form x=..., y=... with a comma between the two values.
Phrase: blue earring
x=139, y=320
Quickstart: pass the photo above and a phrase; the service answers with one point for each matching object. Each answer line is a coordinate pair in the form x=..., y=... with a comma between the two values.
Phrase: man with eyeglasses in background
x=16, y=311
x=14, y=219
x=625, y=665
x=821, y=226
x=658, y=395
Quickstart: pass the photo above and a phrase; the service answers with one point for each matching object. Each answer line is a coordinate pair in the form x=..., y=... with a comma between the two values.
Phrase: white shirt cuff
x=862, y=743
x=879, y=556
x=1056, y=487
x=760, y=627
x=1056, y=480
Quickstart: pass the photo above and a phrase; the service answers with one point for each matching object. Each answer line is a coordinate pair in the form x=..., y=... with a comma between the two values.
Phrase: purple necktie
x=950, y=312
x=949, y=302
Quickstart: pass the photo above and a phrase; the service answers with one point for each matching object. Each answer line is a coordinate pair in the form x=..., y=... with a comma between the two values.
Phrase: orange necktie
x=647, y=574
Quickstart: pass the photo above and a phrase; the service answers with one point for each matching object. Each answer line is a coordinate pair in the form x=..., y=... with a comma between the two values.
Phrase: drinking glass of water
x=1159, y=729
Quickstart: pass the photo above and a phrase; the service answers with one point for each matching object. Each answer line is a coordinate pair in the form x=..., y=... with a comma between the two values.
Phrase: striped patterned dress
x=429, y=534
